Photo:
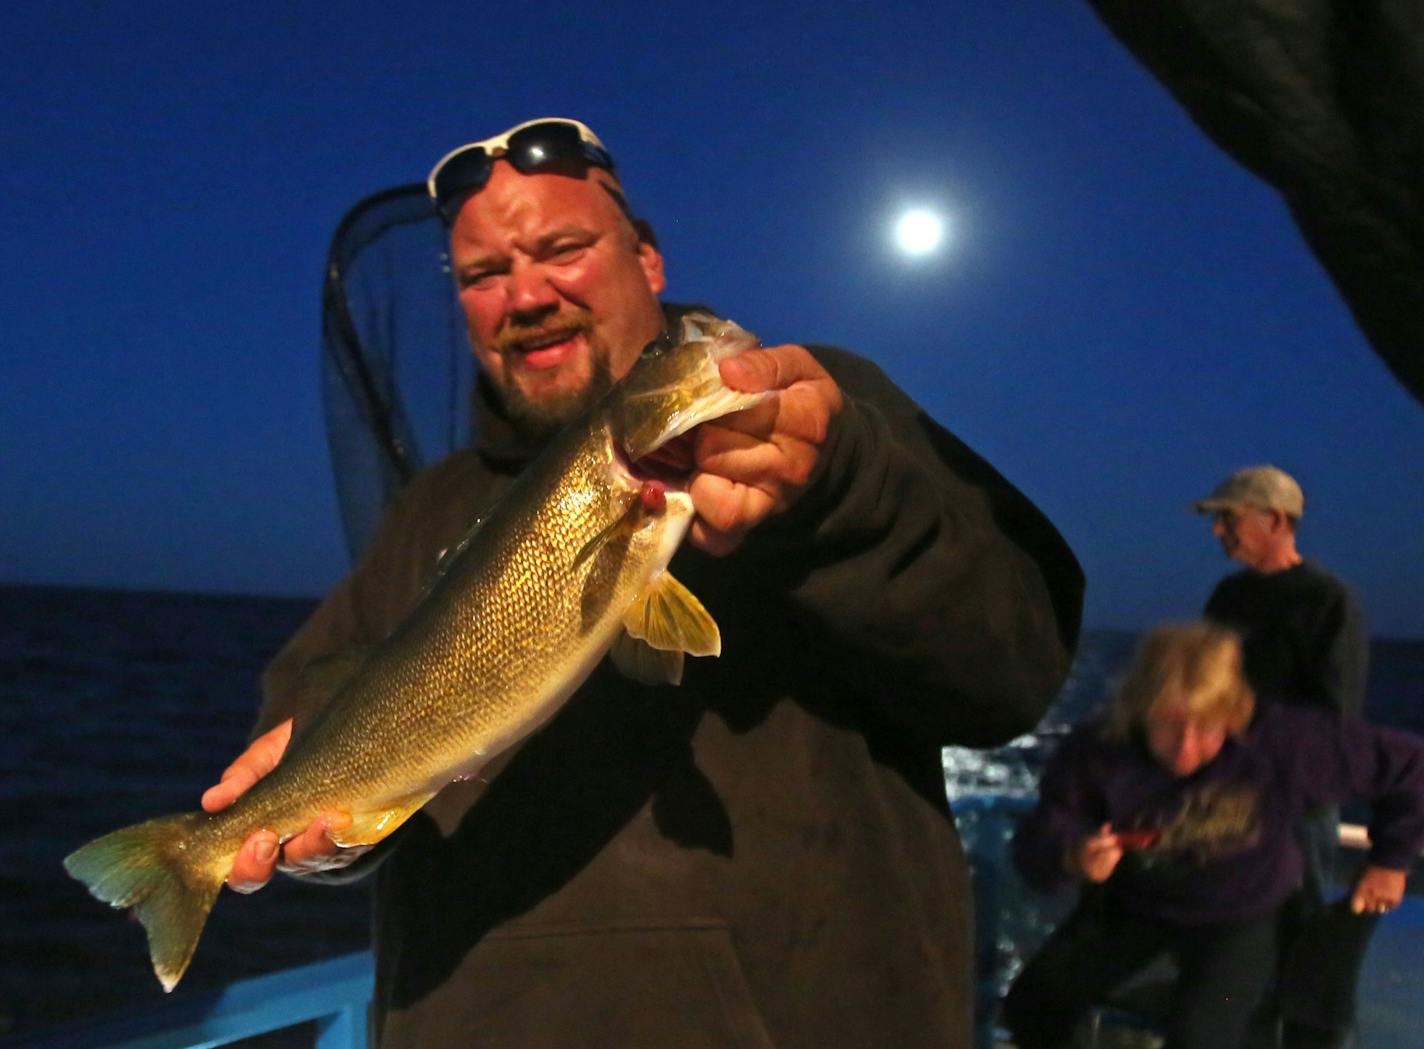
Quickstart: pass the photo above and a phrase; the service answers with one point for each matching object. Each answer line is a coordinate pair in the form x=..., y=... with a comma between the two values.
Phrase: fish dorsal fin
x=670, y=619
x=450, y=555
x=367, y=828
x=644, y=663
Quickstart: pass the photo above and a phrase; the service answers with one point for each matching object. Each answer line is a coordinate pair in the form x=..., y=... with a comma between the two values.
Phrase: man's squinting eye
x=478, y=278
x=565, y=251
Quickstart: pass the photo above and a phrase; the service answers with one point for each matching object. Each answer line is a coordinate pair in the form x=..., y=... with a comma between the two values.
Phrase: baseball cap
x=1264, y=487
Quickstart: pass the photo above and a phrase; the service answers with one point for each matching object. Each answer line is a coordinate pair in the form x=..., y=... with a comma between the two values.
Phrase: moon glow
x=919, y=231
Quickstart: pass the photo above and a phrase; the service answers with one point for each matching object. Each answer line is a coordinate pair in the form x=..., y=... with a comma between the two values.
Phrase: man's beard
x=537, y=420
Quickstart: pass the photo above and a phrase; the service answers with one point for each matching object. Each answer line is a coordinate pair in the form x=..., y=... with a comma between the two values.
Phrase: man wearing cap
x=763, y=856
x=1304, y=635
x=1303, y=641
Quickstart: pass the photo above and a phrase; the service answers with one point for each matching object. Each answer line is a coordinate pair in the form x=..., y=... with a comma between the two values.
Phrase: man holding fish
x=763, y=855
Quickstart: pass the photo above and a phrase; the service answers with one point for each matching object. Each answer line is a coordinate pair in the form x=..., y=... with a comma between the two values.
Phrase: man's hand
x=1378, y=891
x=754, y=464
x=262, y=853
x=1096, y=856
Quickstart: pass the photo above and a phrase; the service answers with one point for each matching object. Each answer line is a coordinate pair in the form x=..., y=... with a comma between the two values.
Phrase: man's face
x=1181, y=741
x=559, y=294
x=1246, y=533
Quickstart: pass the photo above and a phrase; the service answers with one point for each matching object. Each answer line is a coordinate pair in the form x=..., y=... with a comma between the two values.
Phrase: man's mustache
x=516, y=335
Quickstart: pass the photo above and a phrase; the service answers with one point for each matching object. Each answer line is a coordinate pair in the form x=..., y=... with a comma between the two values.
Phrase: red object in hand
x=1137, y=839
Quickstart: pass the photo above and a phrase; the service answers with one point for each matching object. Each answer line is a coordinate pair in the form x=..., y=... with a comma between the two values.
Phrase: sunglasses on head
x=547, y=144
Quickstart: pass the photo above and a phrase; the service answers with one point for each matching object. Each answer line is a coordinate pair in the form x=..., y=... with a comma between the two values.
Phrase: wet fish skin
x=517, y=617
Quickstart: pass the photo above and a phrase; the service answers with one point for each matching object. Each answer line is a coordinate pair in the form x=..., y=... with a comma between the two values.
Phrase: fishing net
x=396, y=366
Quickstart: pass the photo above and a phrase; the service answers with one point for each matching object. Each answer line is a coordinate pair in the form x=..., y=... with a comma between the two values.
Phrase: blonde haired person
x=1195, y=667
x=1180, y=804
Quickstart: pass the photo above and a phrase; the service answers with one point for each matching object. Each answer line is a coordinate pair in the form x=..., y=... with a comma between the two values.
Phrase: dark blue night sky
x=1122, y=315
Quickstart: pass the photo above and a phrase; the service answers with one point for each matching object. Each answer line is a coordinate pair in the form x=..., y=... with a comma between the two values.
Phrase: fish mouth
x=672, y=391
x=670, y=463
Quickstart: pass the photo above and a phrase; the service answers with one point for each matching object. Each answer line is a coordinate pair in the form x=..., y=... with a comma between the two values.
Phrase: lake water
x=116, y=706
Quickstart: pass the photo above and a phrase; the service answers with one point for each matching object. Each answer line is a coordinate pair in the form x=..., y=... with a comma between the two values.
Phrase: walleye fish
x=568, y=565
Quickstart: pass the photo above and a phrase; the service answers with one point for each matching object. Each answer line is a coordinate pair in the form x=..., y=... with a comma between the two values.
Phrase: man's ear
x=651, y=259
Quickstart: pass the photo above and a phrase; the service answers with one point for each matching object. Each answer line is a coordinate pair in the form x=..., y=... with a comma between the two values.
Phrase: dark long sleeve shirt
x=1303, y=636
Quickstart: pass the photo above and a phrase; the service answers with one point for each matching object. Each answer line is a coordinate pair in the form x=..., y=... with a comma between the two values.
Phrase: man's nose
x=530, y=290
x=1218, y=527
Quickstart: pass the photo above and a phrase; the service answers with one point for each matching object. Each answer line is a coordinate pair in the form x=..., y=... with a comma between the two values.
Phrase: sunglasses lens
x=543, y=147
x=461, y=176
x=549, y=146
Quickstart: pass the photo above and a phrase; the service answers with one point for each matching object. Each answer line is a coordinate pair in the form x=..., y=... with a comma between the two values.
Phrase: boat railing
x=335, y=995
x=1354, y=836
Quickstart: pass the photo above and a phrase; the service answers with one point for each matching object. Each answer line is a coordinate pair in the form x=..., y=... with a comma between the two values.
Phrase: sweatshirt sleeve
x=948, y=593
x=1390, y=773
x=300, y=678
x=423, y=521
x=1335, y=760
x=293, y=685
x=358, y=614
x=1070, y=807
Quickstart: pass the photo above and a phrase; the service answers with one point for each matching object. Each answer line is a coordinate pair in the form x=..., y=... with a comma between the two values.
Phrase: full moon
x=919, y=232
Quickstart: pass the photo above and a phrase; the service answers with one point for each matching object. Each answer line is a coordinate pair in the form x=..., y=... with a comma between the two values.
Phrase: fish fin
x=624, y=523
x=642, y=662
x=451, y=553
x=170, y=886
x=668, y=617
x=367, y=828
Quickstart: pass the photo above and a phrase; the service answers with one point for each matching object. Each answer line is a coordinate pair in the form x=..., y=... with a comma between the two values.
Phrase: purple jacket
x=1221, y=842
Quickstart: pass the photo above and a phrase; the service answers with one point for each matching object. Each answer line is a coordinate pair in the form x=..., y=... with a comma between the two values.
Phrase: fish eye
x=659, y=345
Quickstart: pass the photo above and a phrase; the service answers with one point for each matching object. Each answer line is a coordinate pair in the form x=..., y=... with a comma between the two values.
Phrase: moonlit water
x=116, y=706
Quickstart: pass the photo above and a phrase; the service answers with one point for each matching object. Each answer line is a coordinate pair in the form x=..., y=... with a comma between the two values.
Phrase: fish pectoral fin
x=644, y=663
x=623, y=525
x=664, y=623
x=367, y=828
x=667, y=617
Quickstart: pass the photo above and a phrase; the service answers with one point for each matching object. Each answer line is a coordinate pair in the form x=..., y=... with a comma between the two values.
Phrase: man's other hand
x=755, y=463
x=262, y=854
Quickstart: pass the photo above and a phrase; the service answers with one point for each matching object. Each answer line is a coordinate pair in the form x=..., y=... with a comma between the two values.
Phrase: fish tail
x=160, y=869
